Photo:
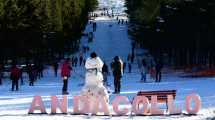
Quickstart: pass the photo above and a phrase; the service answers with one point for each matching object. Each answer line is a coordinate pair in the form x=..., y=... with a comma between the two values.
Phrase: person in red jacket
x=65, y=74
x=15, y=76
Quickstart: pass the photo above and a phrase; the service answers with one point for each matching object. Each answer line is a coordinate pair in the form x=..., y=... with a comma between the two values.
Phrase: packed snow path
x=110, y=39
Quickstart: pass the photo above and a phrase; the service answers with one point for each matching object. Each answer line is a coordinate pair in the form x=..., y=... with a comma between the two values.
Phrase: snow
x=108, y=42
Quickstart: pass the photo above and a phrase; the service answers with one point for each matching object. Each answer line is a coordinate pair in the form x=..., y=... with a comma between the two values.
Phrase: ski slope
x=108, y=42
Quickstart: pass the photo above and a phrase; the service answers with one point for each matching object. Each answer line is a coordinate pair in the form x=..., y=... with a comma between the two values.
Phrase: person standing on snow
x=158, y=68
x=15, y=75
x=93, y=87
x=65, y=74
x=117, y=68
x=31, y=76
x=105, y=73
x=143, y=70
x=55, y=65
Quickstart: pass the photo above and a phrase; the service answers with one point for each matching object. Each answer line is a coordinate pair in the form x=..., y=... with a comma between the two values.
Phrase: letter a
x=37, y=104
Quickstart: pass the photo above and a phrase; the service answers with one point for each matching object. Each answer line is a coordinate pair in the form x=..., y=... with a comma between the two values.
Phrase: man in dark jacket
x=14, y=76
x=117, y=68
x=31, y=76
x=158, y=67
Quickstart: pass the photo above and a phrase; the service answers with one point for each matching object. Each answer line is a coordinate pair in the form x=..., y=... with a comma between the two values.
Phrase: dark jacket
x=159, y=65
x=117, y=68
x=105, y=69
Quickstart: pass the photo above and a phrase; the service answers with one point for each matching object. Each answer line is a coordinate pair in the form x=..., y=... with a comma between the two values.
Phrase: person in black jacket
x=158, y=67
x=30, y=71
x=105, y=73
x=117, y=68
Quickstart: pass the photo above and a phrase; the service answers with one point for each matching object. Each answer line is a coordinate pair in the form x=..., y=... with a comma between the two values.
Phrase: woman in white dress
x=94, y=87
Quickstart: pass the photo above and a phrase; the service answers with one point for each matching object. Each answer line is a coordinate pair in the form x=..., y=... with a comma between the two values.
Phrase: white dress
x=94, y=80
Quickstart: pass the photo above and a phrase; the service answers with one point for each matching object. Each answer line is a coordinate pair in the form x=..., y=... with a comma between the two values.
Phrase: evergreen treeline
x=181, y=30
x=41, y=28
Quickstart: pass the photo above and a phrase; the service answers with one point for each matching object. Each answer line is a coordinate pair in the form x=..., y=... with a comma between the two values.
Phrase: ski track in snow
x=109, y=41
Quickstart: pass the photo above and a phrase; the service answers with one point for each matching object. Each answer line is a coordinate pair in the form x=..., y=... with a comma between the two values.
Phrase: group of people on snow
x=117, y=66
x=97, y=72
x=33, y=71
x=122, y=21
x=153, y=69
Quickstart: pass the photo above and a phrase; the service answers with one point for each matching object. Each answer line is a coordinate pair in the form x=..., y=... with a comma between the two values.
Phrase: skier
x=65, y=74
x=94, y=87
x=143, y=70
x=105, y=73
x=117, y=68
x=15, y=76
